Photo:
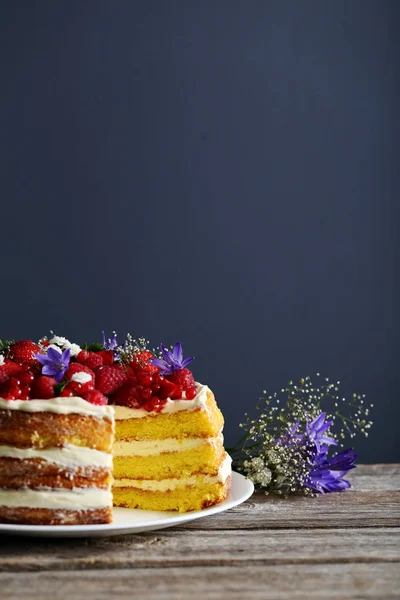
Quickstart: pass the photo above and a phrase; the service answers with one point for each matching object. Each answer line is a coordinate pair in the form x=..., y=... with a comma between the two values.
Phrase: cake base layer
x=182, y=499
x=45, y=516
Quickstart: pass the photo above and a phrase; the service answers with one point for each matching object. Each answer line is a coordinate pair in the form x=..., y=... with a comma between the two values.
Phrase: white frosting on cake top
x=61, y=406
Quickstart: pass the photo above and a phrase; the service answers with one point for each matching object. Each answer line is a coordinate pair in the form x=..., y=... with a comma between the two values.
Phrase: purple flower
x=313, y=436
x=172, y=359
x=315, y=432
x=55, y=363
x=111, y=343
x=327, y=475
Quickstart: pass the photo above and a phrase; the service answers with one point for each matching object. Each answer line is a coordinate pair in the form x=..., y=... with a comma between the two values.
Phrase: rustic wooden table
x=344, y=545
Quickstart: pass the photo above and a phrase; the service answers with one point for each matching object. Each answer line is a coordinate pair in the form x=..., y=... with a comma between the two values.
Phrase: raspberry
x=110, y=379
x=95, y=397
x=78, y=368
x=43, y=388
x=94, y=360
x=129, y=396
x=184, y=378
x=24, y=351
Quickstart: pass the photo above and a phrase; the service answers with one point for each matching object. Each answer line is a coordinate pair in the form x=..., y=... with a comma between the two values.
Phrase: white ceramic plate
x=128, y=520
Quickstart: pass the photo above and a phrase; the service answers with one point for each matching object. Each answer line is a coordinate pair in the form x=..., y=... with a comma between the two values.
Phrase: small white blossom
x=1, y=359
x=65, y=344
x=81, y=377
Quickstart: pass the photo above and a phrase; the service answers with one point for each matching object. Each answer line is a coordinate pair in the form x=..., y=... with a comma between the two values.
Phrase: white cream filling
x=153, y=447
x=163, y=485
x=123, y=413
x=67, y=456
x=76, y=499
x=61, y=406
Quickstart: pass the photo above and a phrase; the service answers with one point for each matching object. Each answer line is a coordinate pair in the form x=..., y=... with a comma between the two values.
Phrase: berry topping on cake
x=24, y=352
x=94, y=360
x=75, y=369
x=95, y=397
x=10, y=368
x=130, y=375
x=43, y=388
x=110, y=379
x=107, y=356
x=129, y=396
x=184, y=378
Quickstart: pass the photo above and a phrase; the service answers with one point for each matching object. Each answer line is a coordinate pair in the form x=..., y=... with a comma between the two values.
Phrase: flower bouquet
x=286, y=449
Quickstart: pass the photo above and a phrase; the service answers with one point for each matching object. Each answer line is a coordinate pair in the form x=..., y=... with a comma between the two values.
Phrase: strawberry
x=184, y=378
x=107, y=356
x=24, y=351
x=82, y=357
x=168, y=389
x=110, y=379
x=94, y=360
x=95, y=397
x=141, y=360
x=43, y=388
x=78, y=368
x=11, y=368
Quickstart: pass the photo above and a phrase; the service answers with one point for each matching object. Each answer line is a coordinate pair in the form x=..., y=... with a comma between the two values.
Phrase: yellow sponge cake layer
x=183, y=499
x=186, y=456
x=194, y=492
x=202, y=421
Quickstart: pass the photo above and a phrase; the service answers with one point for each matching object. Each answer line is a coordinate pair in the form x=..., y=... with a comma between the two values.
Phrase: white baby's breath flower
x=65, y=344
x=81, y=377
x=1, y=359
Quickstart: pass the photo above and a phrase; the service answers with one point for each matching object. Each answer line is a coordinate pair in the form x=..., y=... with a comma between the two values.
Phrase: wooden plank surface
x=191, y=548
x=335, y=546
x=277, y=582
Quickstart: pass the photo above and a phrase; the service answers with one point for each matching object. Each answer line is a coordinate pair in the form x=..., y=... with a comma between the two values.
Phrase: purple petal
x=49, y=370
x=327, y=440
x=59, y=375
x=42, y=358
x=177, y=352
x=166, y=353
x=187, y=361
x=66, y=357
x=164, y=367
x=53, y=354
x=318, y=421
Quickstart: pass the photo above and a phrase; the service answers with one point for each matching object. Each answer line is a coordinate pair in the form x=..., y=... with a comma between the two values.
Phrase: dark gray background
x=221, y=172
